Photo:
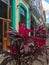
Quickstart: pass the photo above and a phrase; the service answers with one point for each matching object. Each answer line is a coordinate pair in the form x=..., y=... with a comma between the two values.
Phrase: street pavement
x=1, y=57
x=47, y=43
x=41, y=57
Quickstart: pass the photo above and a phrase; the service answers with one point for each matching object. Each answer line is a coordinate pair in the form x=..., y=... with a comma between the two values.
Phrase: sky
x=46, y=8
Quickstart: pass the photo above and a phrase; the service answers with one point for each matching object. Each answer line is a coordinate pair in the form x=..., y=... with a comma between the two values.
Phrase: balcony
x=36, y=13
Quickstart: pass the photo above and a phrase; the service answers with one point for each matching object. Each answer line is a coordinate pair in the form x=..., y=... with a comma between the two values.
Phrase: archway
x=25, y=12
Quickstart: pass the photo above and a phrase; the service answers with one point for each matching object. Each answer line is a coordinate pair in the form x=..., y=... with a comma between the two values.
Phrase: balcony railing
x=35, y=11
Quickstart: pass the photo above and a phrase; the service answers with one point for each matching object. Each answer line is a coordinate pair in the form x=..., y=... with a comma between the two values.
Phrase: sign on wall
x=6, y=1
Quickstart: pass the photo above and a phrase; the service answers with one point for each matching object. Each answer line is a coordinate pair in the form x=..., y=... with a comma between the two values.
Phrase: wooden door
x=6, y=41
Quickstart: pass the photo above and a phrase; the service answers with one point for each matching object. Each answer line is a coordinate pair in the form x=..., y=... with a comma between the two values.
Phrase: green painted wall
x=21, y=5
x=19, y=14
x=28, y=19
x=13, y=13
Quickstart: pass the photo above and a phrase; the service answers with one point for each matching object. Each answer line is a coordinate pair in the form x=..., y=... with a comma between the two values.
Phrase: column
x=28, y=19
x=14, y=14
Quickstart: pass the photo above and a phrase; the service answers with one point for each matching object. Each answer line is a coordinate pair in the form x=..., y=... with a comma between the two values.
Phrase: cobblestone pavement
x=42, y=58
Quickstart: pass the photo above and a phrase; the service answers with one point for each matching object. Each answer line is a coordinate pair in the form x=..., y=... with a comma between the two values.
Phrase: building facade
x=13, y=12
x=36, y=14
x=20, y=13
x=5, y=19
x=37, y=9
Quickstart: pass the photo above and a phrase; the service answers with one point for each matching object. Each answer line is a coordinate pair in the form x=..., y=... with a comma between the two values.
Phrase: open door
x=4, y=35
x=6, y=41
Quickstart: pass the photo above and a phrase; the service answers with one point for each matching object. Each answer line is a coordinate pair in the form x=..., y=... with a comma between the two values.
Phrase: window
x=22, y=11
x=3, y=10
x=22, y=15
x=6, y=2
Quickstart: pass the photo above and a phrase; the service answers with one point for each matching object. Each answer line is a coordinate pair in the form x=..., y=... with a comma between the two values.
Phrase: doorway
x=1, y=35
x=22, y=15
x=4, y=27
x=6, y=41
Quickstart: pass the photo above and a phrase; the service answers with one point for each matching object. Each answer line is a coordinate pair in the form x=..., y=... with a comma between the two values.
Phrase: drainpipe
x=14, y=14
